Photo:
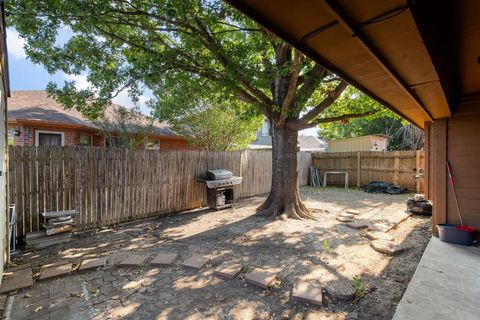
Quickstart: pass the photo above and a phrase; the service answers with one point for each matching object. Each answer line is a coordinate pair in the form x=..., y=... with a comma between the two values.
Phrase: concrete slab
x=353, y=211
x=228, y=270
x=91, y=264
x=164, y=259
x=308, y=292
x=346, y=215
x=196, y=262
x=342, y=219
x=357, y=225
x=262, y=278
x=444, y=286
x=377, y=235
x=382, y=227
x=55, y=264
x=17, y=267
x=16, y=280
x=133, y=260
x=55, y=271
x=387, y=247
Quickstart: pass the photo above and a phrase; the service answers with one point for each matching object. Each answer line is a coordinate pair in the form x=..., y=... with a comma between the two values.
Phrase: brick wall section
x=26, y=136
x=173, y=144
x=72, y=137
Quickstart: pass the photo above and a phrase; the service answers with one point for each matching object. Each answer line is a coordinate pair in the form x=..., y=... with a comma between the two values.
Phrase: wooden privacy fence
x=110, y=186
x=396, y=167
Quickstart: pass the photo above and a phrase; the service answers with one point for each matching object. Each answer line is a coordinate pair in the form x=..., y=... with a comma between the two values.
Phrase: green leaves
x=188, y=53
x=218, y=127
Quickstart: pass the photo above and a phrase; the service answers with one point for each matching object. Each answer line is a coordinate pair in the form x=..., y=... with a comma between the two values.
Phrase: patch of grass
x=360, y=288
x=326, y=245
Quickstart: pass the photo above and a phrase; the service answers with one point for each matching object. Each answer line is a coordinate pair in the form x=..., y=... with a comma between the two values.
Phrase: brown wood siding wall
x=110, y=186
x=463, y=145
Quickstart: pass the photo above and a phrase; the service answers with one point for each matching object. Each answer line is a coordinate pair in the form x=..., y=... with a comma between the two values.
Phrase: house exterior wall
x=364, y=143
x=263, y=137
x=71, y=136
x=4, y=91
x=457, y=140
x=172, y=144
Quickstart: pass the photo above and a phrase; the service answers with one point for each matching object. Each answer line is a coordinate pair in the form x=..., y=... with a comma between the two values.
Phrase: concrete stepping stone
x=353, y=211
x=357, y=225
x=341, y=289
x=164, y=259
x=196, y=262
x=16, y=279
x=386, y=247
x=133, y=260
x=308, y=292
x=262, y=278
x=55, y=271
x=343, y=219
x=91, y=264
x=17, y=267
x=377, y=235
x=228, y=270
x=55, y=264
x=381, y=227
x=346, y=215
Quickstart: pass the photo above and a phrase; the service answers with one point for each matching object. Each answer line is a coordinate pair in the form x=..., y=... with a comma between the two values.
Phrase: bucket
x=451, y=234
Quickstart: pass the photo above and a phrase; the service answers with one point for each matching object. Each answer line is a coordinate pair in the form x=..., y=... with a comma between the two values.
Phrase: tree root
x=290, y=209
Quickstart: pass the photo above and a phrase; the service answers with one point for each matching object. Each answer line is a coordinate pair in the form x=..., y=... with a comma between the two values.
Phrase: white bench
x=345, y=173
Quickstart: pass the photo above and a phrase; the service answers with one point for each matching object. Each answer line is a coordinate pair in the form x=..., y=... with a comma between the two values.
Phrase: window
x=116, y=142
x=49, y=138
x=266, y=128
x=85, y=140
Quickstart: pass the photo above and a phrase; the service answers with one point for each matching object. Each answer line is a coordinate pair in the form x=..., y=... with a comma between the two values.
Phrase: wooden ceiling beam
x=355, y=31
x=307, y=50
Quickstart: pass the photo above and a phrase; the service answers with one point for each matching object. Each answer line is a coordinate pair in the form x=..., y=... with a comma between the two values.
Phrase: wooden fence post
x=359, y=169
x=417, y=171
x=396, y=165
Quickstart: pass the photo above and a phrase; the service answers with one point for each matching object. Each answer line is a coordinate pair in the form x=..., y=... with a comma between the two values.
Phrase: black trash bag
x=376, y=187
x=383, y=187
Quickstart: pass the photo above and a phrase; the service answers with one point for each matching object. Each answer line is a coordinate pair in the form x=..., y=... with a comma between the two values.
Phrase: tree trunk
x=284, y=198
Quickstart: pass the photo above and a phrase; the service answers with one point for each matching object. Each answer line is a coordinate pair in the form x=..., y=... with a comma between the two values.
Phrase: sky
x=24, y=75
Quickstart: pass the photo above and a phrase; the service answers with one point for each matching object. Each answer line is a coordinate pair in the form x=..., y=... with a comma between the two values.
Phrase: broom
x=462, y=227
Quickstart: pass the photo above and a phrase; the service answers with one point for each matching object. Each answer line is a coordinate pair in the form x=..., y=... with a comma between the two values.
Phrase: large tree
x=184, y=52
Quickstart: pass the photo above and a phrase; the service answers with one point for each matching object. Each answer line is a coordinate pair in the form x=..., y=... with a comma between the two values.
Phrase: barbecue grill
x=219, y=185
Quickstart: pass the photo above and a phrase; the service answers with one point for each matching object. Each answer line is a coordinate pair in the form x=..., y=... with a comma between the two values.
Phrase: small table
x=345, y=173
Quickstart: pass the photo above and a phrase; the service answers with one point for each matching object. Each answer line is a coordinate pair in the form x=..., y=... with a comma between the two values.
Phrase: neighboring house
x=4, y=93
x=35, y=119
x=374, y=142
x=311, y=143
x=305, y=143
x=263, y=139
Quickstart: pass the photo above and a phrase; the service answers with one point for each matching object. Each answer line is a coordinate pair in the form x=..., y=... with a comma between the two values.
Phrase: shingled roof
x=36, y=106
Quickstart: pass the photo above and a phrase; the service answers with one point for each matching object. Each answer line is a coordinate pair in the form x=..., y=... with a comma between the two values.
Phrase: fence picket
x=109, y=186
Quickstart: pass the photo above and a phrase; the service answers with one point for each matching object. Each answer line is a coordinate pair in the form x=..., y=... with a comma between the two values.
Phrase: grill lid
x=219, y=174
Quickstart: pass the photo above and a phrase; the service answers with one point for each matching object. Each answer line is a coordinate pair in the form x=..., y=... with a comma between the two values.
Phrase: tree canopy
x=217, y=127
x=183, y=51
x=403, y=135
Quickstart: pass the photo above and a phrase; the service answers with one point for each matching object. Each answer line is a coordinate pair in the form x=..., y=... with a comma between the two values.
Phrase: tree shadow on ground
x=297, y=250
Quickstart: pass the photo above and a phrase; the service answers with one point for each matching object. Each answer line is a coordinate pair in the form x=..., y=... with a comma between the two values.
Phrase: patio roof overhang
x=405, y=54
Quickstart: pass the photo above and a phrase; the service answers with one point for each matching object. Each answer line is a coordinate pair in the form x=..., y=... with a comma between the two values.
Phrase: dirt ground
x=323, y=252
